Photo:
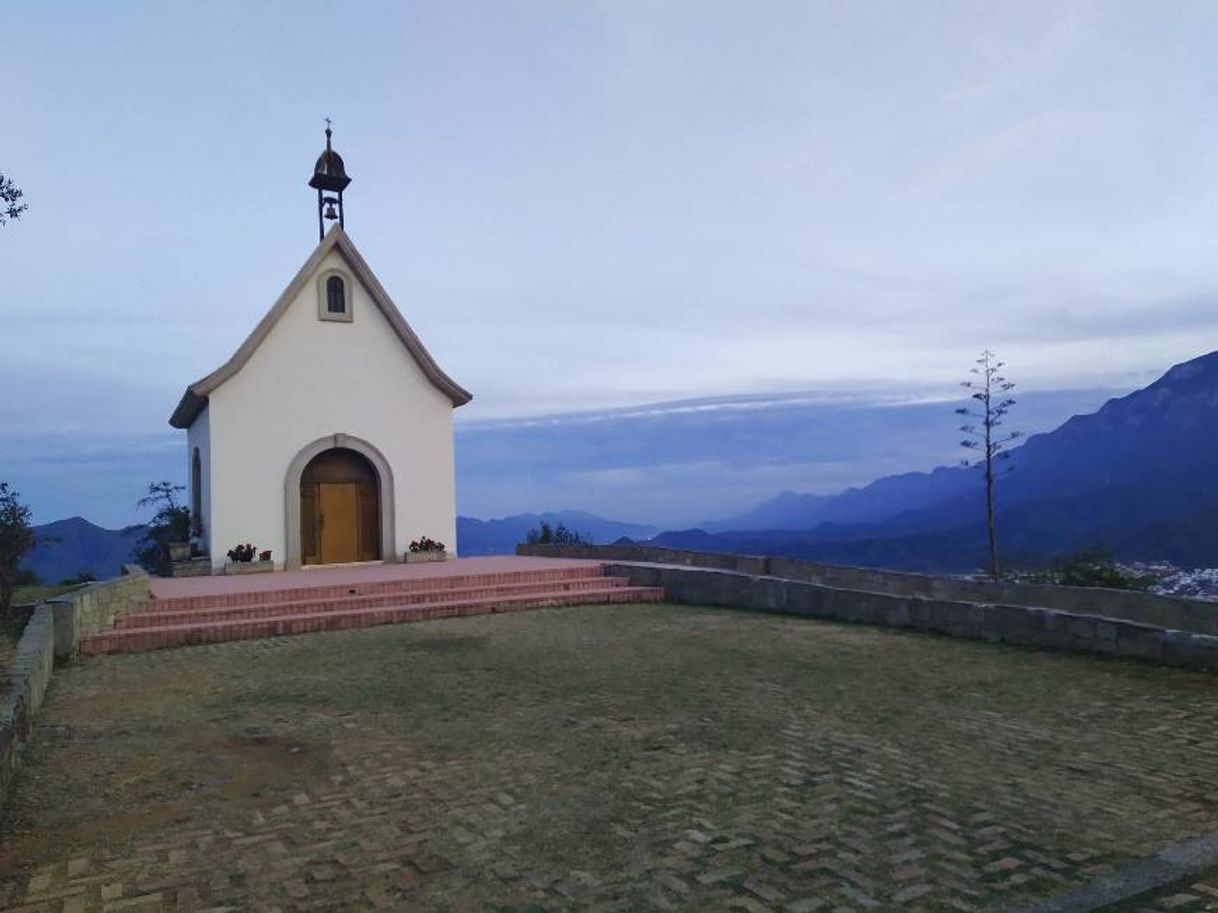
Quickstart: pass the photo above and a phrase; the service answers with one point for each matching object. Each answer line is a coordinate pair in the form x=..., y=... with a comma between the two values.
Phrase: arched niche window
x=196, y=494
x=333, y=297
x=336, y=295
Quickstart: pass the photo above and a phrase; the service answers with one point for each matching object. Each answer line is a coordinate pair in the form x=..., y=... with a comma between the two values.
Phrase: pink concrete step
x=123, y=640
x=155, y=616
x=372, y=587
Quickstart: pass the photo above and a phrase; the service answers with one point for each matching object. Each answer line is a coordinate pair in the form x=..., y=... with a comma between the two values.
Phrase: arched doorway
x=340, y=508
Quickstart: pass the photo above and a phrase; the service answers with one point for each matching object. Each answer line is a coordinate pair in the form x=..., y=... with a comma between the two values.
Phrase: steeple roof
x=195, y=397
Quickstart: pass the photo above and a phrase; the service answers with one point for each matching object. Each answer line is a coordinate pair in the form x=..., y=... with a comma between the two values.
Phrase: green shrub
x=559, y=535
x=170, y=523
x=1094, y=567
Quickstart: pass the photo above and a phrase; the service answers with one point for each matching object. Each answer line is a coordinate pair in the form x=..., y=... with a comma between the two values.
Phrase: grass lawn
x=28, y=595
x=611, y=758
x=12, y=626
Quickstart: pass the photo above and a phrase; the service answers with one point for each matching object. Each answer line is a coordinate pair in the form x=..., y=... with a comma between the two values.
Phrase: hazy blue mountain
x=499, y=537
x=1131, y=476
x=886, y=497
x=73, y=546
x=787, y=510
x=677, y=464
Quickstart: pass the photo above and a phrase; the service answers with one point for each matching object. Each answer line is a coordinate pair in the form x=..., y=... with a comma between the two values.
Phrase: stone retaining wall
x=87, y=611
x=53, y=632
x=1024, y=625
x=1160, y=611
x=27, y=683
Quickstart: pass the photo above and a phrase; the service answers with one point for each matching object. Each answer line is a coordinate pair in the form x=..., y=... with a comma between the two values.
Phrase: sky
x=596, y=205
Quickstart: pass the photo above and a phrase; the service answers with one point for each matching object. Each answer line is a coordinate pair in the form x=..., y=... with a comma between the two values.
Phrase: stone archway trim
x=291, y=492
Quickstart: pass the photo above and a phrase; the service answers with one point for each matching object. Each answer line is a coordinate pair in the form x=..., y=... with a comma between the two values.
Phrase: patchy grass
x=686, y=754
x=28, y=595
x=12, y=625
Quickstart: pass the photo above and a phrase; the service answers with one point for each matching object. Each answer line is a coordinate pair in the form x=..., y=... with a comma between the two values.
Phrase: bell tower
x=329, y=177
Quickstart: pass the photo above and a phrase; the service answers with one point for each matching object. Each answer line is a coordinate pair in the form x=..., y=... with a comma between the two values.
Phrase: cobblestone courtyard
x=603, y=758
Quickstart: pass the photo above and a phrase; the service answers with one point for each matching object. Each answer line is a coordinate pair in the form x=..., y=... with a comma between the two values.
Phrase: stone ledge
x=1185, y=614
x=28, y=679
x=87, y=611
x=1173, y=863
x=1019, y=625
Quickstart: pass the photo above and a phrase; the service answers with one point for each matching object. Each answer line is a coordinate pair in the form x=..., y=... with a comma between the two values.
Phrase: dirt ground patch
x=612, y=758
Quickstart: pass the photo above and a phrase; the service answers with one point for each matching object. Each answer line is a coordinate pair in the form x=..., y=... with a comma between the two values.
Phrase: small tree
x=991, y=403
x=10, y=195
x=540, y=535
x=560, y=535
x=17, y=539
x=170, y=523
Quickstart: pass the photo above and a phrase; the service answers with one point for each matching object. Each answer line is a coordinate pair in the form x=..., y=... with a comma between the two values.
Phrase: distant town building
x=328, y=436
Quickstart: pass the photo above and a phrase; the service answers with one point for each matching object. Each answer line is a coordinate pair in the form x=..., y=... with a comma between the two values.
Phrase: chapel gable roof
x=195, y=397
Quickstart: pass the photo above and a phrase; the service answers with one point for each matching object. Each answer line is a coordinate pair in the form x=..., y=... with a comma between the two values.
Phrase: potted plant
x=180, y=522
x=425, y=548
x=168, y=535
x=241, y=560
x=196, y=536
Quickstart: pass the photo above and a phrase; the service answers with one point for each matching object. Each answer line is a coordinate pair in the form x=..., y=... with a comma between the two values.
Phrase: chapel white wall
x=311, y=378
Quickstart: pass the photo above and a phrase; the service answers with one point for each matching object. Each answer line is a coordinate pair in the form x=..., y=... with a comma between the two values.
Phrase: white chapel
x=327, y=437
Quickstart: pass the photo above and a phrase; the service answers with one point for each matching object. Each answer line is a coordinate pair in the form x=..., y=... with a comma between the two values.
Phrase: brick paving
x=607, y=759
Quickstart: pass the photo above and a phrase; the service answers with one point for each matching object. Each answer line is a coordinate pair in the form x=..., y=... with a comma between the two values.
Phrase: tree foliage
x=11, y=206
x=558, y=535
x=990, y=393
x=170, y=523
x=17, y=539
x=1095, y=567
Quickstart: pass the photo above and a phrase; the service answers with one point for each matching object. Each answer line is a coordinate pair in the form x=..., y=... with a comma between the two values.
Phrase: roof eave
x=189, y=407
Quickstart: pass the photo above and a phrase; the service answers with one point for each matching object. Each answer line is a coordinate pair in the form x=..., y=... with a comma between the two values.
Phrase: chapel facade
x=327, y=437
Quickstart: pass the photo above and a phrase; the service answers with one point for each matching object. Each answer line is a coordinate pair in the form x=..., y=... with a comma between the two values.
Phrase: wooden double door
x=339, y=509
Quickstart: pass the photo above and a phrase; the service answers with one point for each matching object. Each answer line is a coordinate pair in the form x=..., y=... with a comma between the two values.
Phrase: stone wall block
x=789, y=569
x=888, y=598
x=898, y=614
x=1140, y=642
x=31, y=672
x=1058, y=631
x=804, y=599
x=920, y=614
x=1015, y=624
x=1159, y=611
x=767, y=594
x=1195, y=651
x=638, y=574
x=752, y=564
x=92, y=608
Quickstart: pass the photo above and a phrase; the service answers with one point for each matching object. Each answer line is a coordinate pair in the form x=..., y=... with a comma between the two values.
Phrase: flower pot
x=179, y=551
x=417, y=557
x=249, y=567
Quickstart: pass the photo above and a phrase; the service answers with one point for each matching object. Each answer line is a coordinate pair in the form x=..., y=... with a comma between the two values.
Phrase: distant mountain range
x=1139, y=477
x=499, y=537
x=73, y=546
